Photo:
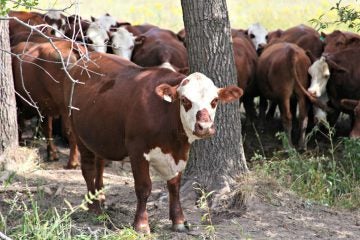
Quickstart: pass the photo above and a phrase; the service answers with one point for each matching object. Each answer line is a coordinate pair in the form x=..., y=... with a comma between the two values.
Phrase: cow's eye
x=252, y=35
x=131, y=47
x=214, y=102
x=267, y=37
x=186, y=103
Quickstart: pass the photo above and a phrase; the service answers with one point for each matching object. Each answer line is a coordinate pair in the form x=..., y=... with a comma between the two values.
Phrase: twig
x=3, y=236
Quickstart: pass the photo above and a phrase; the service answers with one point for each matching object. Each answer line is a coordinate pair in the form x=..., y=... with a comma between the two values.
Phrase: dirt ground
x=271, y=213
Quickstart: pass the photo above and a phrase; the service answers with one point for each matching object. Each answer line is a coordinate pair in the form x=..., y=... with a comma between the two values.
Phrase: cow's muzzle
x=204, y=129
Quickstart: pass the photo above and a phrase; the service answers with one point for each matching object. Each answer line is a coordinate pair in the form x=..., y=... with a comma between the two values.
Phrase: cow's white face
x=57, y=21
x=97, y=37
x=106, y=22
x=258, y=35
x=198, y=98
x=122, y=43
x=320, y=74
x=58, y=32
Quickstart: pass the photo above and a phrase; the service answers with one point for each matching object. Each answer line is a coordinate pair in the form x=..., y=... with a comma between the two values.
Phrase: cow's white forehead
x=106, y=21
x=123, y=36
x=54, y=14
x=198, y=88
x=258, y=30
x=319, y=68
x=96, y=31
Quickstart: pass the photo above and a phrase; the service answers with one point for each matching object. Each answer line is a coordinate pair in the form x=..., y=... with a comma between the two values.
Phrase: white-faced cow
x=258, y=35
x=122, y=42
x=158, y=114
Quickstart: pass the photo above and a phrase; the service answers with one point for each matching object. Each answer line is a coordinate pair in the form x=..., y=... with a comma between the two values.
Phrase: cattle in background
x=258, y=35
x=105, y=21
x=38, y=77
x=305, y=37
x=31, y=18
x=160, y=47
x=76, y=27
x=97, y=37
x=353, y=105
x=338, y=40
x=281, y=74
x=158, y=114
x=338, y=75
x=57, y=21
x=122, y=43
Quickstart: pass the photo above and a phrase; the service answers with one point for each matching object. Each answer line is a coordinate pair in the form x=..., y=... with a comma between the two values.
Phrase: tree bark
x=8, y=117
x=216, y=162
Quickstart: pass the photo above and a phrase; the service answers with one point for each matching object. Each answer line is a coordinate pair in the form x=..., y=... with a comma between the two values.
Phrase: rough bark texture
x=8, y=122
x=215, y=162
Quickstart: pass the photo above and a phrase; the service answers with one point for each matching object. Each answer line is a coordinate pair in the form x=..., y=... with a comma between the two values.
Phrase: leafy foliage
x=347, y=15
x=28, y=4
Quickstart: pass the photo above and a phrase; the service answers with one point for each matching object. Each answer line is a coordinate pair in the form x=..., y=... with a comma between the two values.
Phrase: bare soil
x=271, y=213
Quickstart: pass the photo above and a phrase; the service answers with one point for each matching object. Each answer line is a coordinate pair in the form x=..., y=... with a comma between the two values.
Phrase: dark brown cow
x=245, y=59
x=305, y=37
x=160, y=47
x=338, y=75
x=31, y=18
x=157, y=115
x=281, y=73
x=353, y=105
x=37, y=78
x=76, y=27
x=139, y=29
x=338, y=40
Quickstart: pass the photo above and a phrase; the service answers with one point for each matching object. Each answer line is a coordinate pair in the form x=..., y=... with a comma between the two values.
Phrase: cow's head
x=258, y=35
x=122, y=42
x=320, y=73
x=105, y=21
x=338, y=40
x=57, y=21
x=199, y=98
x=97, y=37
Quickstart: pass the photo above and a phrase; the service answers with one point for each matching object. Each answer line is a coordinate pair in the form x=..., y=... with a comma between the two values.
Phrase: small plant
x=203, y=204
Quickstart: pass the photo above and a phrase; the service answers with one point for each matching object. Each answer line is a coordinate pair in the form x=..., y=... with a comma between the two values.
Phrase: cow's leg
x=73, y=161
x=303, y=121
x=271, y=112
x=175, y=210
x=99, y=183
x=89, y=172
x=140, y=169
x=286, y=118
x=46, y=126
x=263, y=104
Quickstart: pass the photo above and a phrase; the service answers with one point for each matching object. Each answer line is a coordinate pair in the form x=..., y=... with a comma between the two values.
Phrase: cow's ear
x=349, y=104
x=166, y=92
x=229, y=94
x=246, y=31
x=140, y=40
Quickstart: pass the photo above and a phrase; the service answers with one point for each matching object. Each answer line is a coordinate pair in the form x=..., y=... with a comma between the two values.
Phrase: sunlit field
x=273, y=14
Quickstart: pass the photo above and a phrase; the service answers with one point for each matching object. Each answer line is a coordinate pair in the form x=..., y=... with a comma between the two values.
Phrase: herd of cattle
x=140, y=104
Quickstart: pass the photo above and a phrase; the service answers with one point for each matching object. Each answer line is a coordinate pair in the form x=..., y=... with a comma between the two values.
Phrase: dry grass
x=20, y=160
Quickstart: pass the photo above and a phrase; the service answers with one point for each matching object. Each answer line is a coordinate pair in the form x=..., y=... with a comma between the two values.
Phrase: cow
x=122, y=43
x=57, y=21
x=304, y=36
x=337, y=75
x=76, y=28
x=139, y=29
x=258, y=35
x=97, y=37
x=158, y=114
x=37, y=77
x=353, y=105
x=31, y=18
x=160, y=47
x=339, y=40
x=281, y=73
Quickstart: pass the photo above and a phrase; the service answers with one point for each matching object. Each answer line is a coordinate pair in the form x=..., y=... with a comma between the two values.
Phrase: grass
x=331, y=178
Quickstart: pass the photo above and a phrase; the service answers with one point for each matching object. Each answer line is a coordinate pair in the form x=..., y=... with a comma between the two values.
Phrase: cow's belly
x=164, y=163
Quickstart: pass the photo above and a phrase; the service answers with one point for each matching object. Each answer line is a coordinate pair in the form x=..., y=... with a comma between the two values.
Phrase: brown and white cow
x=258, y=35
x=38, y=76
x=338, y=75
x=281, y=73
x=151, y=115
x=353, y=105
x=160, y=47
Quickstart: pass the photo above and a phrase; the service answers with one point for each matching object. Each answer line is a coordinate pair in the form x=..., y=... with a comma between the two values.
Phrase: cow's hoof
x=52, y=157
x=70, y=166
x=181, y=227
x=142, y=228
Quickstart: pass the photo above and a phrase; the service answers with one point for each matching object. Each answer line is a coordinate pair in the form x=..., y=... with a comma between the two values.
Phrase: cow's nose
x=312, y=93
x=260, y=48
x=204, y=129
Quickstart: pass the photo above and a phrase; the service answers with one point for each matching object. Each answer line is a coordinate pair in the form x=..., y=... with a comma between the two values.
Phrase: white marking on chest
x=164, y=163
x=168, y=66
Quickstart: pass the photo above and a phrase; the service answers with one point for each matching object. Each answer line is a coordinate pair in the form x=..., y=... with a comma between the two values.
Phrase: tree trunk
x=8, y=122
x=214, y=163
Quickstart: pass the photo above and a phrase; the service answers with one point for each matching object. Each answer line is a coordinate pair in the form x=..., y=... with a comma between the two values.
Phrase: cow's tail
x=314, y=100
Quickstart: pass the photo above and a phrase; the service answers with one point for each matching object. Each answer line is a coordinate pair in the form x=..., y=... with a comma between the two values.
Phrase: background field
x=272, y=14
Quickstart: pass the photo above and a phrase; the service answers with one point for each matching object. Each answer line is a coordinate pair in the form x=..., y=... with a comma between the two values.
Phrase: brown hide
x=305, y=37
x=338, y=40
x=42, y=75
x=158, y=46
x=31, y=18
x=281, y=71
x=354, y=106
